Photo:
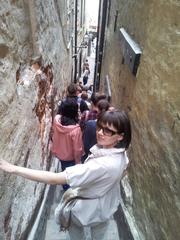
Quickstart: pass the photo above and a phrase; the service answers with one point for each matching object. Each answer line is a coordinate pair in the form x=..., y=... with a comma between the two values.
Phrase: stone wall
x=153, y=101
x=35, y=66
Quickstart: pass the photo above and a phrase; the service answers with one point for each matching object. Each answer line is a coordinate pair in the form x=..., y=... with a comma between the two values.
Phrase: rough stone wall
x=28, y=94
x=153, y=101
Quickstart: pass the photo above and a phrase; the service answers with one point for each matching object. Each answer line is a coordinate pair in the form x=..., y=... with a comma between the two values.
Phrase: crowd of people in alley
x=74, y=128
x=89, y=138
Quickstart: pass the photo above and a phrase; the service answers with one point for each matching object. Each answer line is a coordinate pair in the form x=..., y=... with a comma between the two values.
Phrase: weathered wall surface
x=153, y=101
x=27, y=29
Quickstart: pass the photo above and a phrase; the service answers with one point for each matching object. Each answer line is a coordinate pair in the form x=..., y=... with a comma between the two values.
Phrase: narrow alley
x=52, y=231
x=53, y=196
x=133, y=52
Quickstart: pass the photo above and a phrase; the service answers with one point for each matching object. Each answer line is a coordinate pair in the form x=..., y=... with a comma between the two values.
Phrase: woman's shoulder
x=110, y=159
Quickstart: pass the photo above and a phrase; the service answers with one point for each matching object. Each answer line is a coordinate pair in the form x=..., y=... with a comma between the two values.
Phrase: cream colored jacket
x=98, y=178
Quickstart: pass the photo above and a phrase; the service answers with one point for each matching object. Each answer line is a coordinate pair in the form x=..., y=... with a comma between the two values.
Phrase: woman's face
x=107, y=135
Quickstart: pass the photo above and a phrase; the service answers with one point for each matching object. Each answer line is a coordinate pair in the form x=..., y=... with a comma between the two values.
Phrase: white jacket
x=98, y=178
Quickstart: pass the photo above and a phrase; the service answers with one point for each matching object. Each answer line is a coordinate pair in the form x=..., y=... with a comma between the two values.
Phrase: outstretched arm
x=34, y=175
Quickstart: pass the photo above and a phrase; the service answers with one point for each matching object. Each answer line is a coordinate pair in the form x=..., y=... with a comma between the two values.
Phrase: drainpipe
x=102, y=27
x=75, y=42
x=97, y=47
x=33, y=25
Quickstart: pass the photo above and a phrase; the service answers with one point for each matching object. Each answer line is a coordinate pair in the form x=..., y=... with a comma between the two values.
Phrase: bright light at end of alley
x=92, y=12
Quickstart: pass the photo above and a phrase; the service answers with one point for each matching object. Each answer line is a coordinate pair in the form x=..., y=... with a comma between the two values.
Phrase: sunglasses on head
x=106, y=131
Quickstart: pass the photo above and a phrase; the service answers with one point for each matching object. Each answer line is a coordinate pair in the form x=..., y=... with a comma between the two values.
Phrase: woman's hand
x=7, y=167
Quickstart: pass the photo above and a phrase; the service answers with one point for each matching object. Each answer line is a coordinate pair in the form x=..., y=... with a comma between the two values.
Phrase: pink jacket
x=67, y=141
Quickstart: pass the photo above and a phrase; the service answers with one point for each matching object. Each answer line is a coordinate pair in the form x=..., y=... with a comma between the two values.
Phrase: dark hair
x=103, y=105
x=120, y=121
x=72, y=89
x=83, y=106
x=96, y=97
x=84, y=96
x=91, y=87
x=69, y=112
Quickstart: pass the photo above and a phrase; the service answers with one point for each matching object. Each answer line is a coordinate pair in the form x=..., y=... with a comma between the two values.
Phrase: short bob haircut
x=120, y=121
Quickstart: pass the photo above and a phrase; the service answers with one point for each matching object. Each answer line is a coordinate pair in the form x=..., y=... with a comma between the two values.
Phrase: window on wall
x=78, y=14
x=108, y=12
x=69, y=20
x=82, y=15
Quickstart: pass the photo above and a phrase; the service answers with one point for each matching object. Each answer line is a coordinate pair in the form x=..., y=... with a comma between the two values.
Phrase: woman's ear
x=120, y=137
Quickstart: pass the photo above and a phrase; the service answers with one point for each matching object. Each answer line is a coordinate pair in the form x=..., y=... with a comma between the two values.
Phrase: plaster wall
x=153, y=102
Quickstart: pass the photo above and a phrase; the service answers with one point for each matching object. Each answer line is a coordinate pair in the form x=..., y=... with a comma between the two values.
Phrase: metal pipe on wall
x=100, y=47
x=97, y=43
x=75, y=42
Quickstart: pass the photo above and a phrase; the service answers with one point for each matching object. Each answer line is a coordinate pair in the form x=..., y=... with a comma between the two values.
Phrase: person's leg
x=85, y=79
x=100, y=231
x=64, y=165
x=76, y=232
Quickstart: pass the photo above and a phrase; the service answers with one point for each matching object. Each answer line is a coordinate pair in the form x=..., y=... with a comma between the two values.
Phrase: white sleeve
x=85, y=175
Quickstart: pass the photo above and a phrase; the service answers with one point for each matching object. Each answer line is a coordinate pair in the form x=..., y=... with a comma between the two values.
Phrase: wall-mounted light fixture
x=86, y=39
x=84, y=43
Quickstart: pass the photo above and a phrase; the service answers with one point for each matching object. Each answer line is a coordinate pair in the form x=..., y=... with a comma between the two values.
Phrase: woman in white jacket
x=98, y=178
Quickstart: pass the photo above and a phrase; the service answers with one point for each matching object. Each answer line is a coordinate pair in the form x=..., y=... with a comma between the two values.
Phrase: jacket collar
x=98, y=151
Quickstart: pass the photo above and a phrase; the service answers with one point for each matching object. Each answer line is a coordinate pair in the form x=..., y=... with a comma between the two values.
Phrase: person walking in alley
x=67, y=137
x=92, y=113
x=97, y=179
x=85, y=64
x=72, y=93
x=89, y=132
x=86, y=75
